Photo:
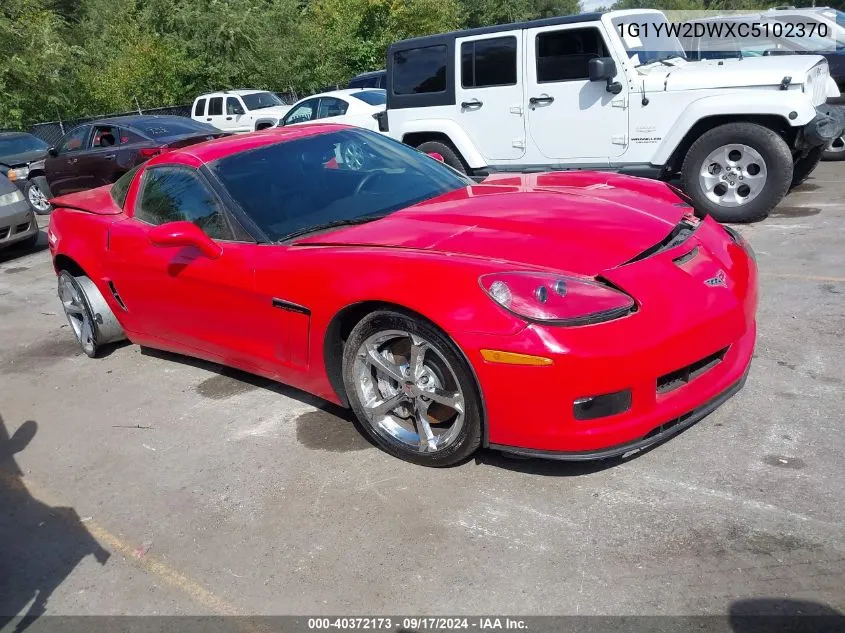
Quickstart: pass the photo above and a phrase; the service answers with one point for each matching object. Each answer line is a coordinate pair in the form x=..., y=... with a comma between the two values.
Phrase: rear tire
x=412, y=390
x=450, y=155
x=737, y=172
x=835, y=150
x=803, y=167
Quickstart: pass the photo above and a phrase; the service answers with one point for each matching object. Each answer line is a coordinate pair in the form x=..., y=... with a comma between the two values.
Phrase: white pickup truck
x=591, y=91
x=239, y=110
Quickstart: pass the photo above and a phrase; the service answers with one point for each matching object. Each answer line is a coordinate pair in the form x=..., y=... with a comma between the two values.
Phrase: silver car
x=17, y=221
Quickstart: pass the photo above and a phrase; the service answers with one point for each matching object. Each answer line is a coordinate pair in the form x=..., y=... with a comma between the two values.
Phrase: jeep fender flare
x=741, y=106
x=452, y=131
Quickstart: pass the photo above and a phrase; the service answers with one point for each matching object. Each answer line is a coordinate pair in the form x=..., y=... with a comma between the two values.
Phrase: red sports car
x=569, y=315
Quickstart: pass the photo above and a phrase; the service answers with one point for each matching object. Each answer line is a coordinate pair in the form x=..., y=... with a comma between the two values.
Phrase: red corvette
x=570, y=315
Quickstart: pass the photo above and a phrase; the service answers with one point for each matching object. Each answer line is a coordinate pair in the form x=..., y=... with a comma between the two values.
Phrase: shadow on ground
x=784, y=615
x=40, y=544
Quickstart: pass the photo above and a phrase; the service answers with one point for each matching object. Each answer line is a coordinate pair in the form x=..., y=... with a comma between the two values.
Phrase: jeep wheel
x=836, y=149
x=737, y=172
x=449, y=154
x=804, y=166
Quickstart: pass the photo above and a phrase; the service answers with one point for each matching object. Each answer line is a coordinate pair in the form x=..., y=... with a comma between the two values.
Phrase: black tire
x=92, y=347
x=37, y=193
x=835, y=151
x=467, y=440
x=450, y=155
x=804, y=166
x=768, y=143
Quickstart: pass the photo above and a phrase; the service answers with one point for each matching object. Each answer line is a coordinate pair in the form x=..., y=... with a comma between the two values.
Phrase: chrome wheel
x=408, y=391
x=78, y=314
x=837, y=146
x=733, y=175
x=353, y=156
x=37, y=199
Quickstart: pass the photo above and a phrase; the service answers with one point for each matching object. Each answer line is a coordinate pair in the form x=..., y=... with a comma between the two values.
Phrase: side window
x=199, y=108
x=419, y=70
x=74, y=141
x=329, y=107
x=215, y=106
x=105, y=136
x=564, y=55
x=233, y=106
x=128, y=136
x=305, y=111
x=171, y=194
x=486, y=63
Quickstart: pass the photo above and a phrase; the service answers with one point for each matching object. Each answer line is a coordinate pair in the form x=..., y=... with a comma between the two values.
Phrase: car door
x=214, y=114
x=489, y=95
x=237, y=120
x=61, y=168
x=100, y=159
x=177, y=296
x=302, y=113
x=570, y=118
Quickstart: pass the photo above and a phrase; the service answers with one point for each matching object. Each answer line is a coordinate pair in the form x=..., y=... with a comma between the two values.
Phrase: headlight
x=555, y=299
x=11, y=198
x=18, y=174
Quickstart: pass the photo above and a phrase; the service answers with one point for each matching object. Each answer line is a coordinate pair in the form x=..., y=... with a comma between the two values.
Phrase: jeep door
x=570, y=118
x=489, y=94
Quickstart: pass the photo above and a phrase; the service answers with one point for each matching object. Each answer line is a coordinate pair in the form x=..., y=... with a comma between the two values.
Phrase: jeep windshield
x=648, y=38
x=325, y=181
x=261, y=100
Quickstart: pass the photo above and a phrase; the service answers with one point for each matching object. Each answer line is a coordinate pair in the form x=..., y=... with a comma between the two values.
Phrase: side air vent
x=116, y=296
x=680, y=234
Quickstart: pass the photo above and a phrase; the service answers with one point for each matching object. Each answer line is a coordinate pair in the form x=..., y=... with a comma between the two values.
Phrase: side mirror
x=185, y=234
x=53, y=151
x=436, y=156
x=604, y=69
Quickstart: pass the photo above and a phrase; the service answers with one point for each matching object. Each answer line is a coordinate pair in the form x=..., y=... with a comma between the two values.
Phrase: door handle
x=475, y=104
x=208, y=118
x=72, y=160
x=541, y=100
x=109, y=156
x=228, y=118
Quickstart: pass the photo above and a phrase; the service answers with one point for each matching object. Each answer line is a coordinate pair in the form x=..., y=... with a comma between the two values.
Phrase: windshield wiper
x=330, y=225
x=663, y=60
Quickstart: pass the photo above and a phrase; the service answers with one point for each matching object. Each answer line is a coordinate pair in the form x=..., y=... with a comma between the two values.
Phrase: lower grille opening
x=4, y=232
x=680, y=377
x=20, y=228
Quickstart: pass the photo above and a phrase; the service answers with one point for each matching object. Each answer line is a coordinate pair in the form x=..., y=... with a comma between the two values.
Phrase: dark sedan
x=98, y=153
x=22, y=162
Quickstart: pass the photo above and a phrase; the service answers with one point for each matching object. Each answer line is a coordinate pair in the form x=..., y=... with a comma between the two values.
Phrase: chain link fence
x=52, y=131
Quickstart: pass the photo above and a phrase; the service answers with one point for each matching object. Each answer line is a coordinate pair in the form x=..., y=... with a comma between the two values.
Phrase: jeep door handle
x=544, y=99
x=475, y=104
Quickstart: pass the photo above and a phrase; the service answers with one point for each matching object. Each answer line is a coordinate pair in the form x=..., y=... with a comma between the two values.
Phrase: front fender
x=739, y=103
x=454, y=132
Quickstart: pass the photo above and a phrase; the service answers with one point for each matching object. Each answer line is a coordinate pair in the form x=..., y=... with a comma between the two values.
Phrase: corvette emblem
x=718, y=280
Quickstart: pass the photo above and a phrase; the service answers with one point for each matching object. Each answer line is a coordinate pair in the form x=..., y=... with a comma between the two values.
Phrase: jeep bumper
x=828, y=124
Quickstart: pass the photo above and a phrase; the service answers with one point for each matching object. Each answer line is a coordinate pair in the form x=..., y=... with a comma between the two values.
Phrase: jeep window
x=199, y=109
x=643, y=42
x=419, y=70
x=215, y=106
x=486, y=63
x=564, y=55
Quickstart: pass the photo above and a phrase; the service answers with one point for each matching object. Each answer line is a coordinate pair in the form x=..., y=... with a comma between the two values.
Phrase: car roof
x=342, y=92
x=137, y=119
x=240, y=92
x=210, y=151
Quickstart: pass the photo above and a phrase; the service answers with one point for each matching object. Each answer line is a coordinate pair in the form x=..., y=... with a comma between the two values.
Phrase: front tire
x=79, y=314
x=738, y=172
x=38, y=198
x=411, y=390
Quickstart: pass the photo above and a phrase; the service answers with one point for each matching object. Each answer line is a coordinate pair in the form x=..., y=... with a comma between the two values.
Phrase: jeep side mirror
x=604, y=69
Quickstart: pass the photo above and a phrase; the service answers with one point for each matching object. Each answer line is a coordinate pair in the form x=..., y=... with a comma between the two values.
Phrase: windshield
x=342, y=176
x=373, y=97
x=21, y=144
x=648, y=37
x=259, y=100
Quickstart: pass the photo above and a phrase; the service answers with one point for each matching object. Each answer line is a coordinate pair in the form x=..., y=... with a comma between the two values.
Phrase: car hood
x=16, y=160
x=577, y=227
x=728, y=73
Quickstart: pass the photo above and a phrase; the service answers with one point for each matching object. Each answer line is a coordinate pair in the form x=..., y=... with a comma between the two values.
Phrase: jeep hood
x=581, y=226
x=728, y=73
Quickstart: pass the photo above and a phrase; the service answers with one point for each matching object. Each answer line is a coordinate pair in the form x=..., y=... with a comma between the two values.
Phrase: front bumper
x=681, y=320
x=828, y=124
x=17, y=222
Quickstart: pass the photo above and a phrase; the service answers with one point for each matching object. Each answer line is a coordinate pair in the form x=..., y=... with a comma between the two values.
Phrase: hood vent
x=680, y=234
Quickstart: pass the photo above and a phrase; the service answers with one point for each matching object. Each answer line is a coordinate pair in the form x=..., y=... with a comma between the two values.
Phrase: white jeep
x=239, y=111
x=592, y=92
